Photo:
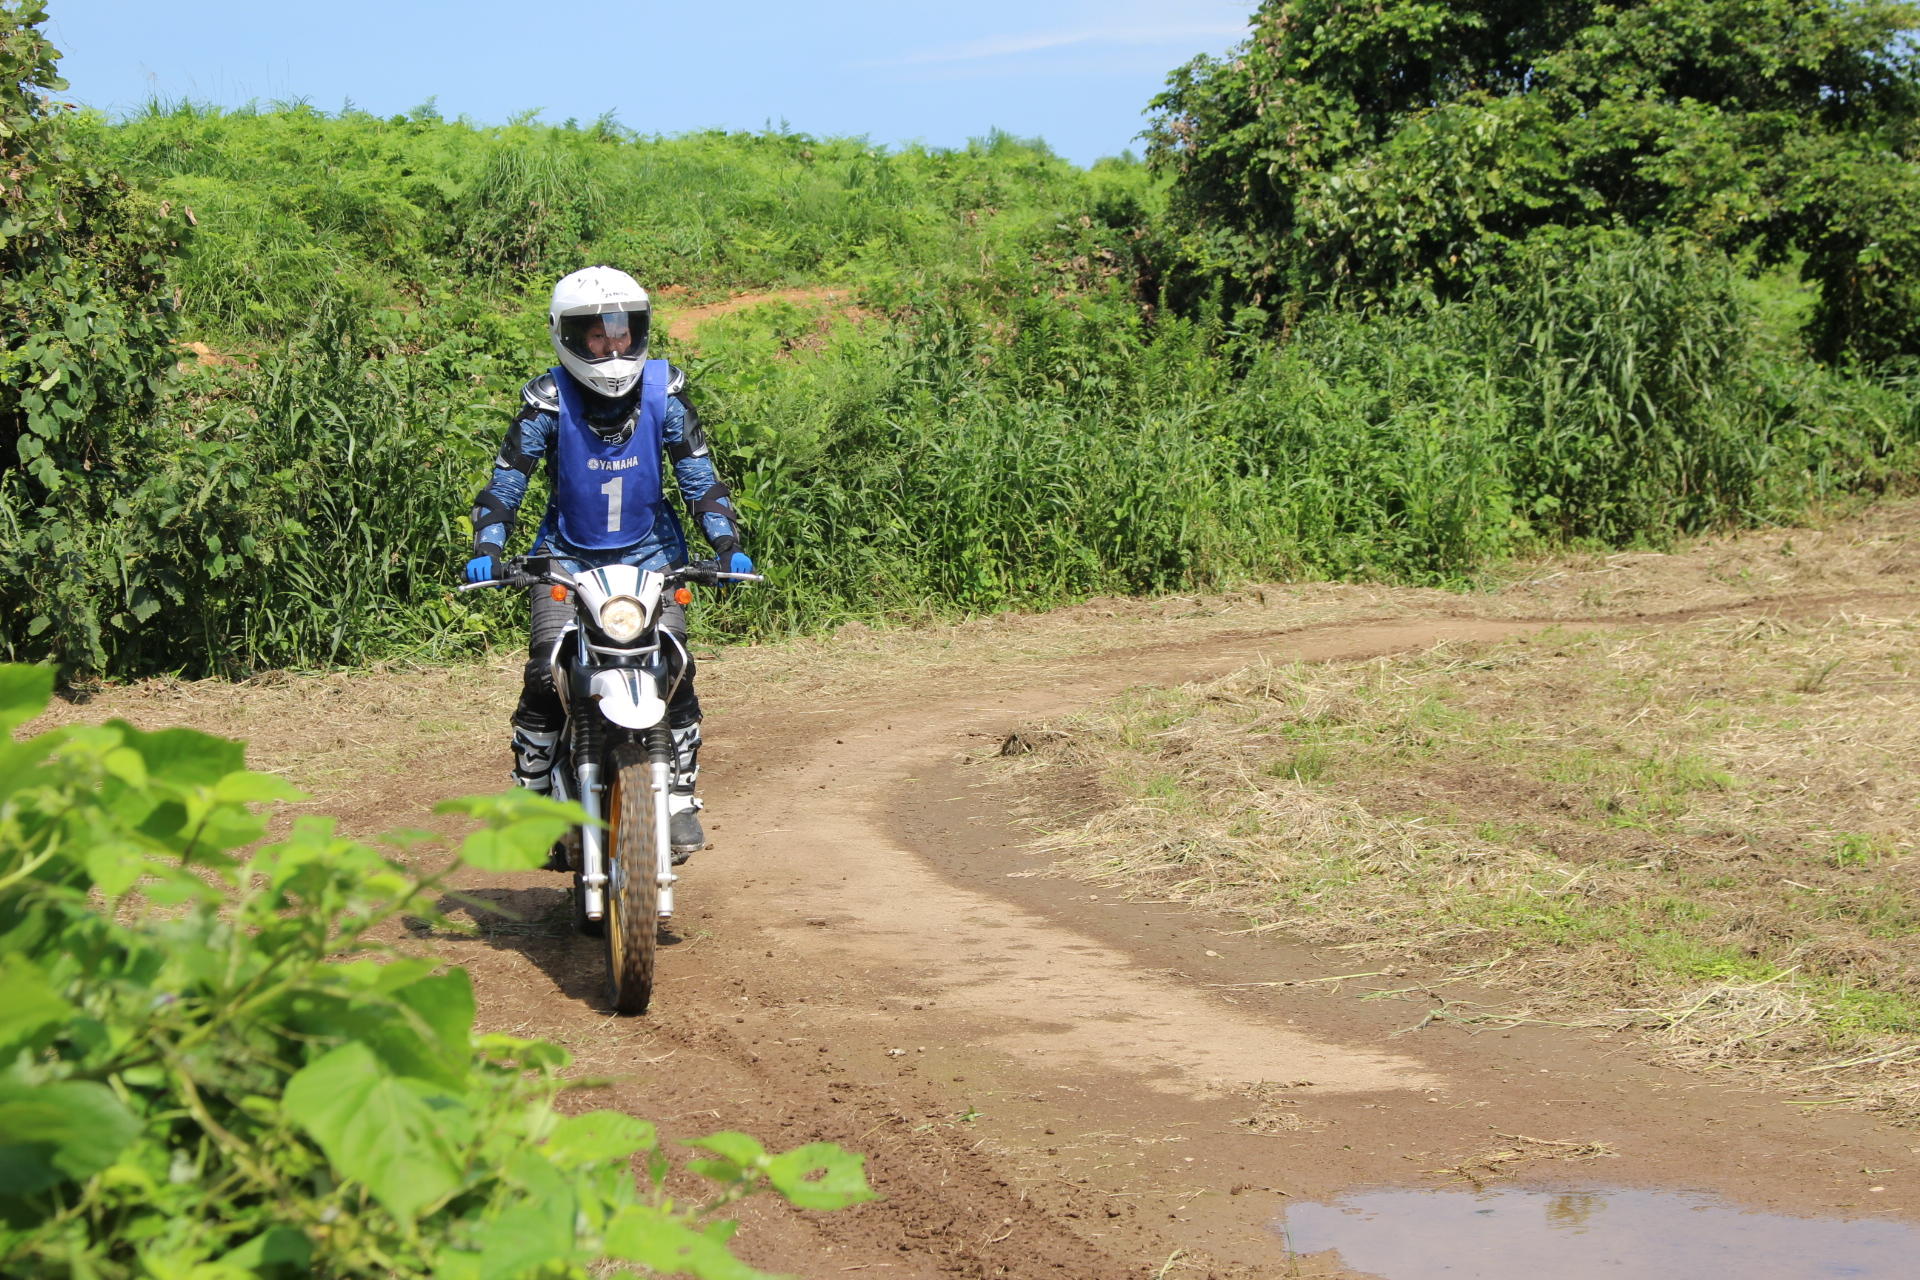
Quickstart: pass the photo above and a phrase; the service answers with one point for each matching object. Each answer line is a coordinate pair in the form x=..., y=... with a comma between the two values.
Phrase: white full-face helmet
x=599, y=321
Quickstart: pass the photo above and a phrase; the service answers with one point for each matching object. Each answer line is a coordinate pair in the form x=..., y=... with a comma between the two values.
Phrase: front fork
x=588, y=747
x=659, y=782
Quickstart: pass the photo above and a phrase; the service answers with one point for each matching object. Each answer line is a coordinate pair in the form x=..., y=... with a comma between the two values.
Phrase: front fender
x=628, y=698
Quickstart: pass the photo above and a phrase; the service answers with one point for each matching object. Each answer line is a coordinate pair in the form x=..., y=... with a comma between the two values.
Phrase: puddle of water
x=1603, y=1234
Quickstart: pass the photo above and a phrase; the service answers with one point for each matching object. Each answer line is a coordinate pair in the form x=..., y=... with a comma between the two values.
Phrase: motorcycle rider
x=602, y=419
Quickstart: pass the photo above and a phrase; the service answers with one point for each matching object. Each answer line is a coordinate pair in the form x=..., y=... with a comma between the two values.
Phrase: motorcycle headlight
x=622, y=619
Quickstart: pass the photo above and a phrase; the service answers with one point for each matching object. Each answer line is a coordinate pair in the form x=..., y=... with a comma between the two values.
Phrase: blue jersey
x=591, y=519
x=606, y=493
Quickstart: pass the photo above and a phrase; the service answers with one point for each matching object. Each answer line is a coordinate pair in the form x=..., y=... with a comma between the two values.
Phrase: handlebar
x=531, y=571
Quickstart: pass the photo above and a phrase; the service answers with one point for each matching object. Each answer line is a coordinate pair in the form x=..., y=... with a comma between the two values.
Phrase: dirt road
x=1050, y=1082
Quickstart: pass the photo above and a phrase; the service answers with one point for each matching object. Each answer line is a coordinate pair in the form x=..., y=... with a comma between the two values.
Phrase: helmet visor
x=606, y=336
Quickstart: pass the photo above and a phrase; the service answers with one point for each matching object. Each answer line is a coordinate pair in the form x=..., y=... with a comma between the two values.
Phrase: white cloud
x=1006, y=47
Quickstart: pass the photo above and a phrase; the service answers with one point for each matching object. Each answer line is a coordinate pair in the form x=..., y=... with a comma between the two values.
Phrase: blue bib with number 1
x=605, y=493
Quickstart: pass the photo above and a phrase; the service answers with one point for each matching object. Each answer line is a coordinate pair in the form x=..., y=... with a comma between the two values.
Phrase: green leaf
x=520, y=827
x=24, y=694
x=185, y=756
x=740, y=1148
x=597, y=1136
x=31, y=1001
x=392, y=1136
x=127, y=765
x=456, y=1264
x=445, y=1004
x=522, y=846
x=255, y=788
x=739, y=1156
x=660, y=1242
x=272, y=1249
x=17, y=759
x=820, y=1175
x=424, y=1033
x=528, y=1055
x=52, y=1132
x=528, y=1236
x=115, y=866
x=513, y=805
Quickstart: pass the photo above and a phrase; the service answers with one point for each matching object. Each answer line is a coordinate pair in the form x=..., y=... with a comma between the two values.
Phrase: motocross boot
x=684, y=832
x=533, y=755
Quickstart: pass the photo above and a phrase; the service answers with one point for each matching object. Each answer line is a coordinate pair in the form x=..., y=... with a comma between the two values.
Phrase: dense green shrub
x=212, y=1067
x=83, y=346
x=305, y=517
x=1354, y=149
x=86, y=341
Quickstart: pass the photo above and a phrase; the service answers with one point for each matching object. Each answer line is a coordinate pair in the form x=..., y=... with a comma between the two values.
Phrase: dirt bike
x=616, y=670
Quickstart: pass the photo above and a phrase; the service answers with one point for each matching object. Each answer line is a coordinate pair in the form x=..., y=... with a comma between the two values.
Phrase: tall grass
x=971, y=458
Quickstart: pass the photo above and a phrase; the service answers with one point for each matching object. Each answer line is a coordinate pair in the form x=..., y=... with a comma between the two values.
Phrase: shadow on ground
x=536, y=923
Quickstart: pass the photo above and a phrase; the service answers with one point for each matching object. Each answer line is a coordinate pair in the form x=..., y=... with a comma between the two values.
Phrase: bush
x=211, y=1067
x=1358, y=150
x=86, y=342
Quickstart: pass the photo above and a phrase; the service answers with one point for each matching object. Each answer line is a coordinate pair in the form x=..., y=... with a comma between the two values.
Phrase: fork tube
x=660, y=779
x=588, y=738
x=593, y=849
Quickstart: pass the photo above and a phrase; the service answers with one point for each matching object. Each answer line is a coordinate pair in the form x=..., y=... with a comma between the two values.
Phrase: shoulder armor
x=540, y=393
x=676, y=379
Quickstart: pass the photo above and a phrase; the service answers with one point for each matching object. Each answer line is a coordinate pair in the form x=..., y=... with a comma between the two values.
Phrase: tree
x=1355, y=148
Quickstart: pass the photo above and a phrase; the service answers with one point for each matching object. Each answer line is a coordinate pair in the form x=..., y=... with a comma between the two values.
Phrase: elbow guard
x=693, y=437
x=489, y=513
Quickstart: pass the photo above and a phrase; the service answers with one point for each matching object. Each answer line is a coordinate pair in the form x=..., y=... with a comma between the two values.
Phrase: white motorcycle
x=616, y=670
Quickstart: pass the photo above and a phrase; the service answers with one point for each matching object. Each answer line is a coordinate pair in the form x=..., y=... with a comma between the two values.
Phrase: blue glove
x=481, y=569
x=735, y=562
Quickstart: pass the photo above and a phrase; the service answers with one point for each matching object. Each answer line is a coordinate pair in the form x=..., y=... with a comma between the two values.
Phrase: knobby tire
x=633, y=889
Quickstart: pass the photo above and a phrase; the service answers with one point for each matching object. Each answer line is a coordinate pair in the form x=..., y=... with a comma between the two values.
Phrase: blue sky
x=1076, y=72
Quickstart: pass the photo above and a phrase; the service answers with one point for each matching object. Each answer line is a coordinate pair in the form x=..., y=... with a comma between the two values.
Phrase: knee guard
x=539, y=708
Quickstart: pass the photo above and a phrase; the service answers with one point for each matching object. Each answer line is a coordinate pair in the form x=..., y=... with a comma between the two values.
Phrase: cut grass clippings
x=1702, y=832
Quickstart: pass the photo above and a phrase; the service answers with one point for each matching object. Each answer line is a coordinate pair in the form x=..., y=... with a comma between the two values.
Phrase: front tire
x=633, y=885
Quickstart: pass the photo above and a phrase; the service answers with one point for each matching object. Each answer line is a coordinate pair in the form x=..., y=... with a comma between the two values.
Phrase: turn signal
x=682, y=596
x=559, y=593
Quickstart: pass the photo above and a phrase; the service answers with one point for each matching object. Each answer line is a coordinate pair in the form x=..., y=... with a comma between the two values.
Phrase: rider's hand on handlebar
x=734, y=562
x=483, y=569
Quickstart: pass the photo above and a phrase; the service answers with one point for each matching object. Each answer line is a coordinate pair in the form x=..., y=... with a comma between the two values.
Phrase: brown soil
x=683, y=323
x=202, y=354
x=1048, y=1081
